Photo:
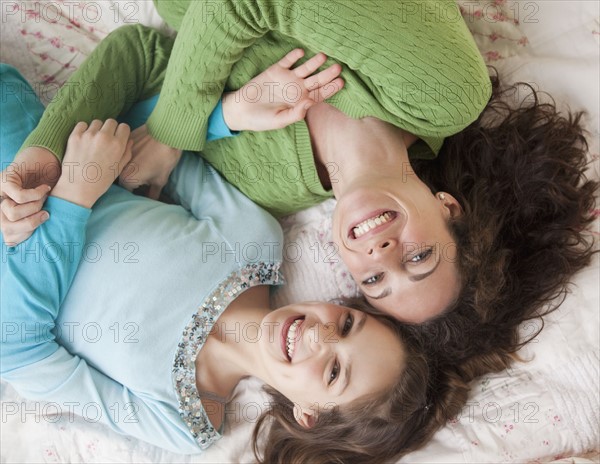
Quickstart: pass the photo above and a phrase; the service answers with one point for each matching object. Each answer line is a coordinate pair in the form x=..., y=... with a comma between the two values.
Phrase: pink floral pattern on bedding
x=59, y=37
x=60, y=34
x=494, y=25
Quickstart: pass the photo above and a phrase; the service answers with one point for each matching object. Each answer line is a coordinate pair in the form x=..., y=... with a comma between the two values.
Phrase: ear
x=306, y=419
x=451, y=204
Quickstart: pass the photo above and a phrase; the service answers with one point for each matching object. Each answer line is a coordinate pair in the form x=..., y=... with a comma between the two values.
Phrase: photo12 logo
x=53, y=412
x=71, y=12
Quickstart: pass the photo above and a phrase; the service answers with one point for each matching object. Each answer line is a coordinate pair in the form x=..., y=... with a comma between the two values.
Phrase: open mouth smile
x=374, y=223
x=290, y=335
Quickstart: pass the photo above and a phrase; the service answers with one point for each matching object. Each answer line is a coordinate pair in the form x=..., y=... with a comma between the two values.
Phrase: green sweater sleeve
x=129, y=65
x=413, y=64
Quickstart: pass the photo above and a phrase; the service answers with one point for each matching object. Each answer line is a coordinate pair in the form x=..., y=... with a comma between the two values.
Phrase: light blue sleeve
x=36, y=276
x=217, y=128
x=250, y=234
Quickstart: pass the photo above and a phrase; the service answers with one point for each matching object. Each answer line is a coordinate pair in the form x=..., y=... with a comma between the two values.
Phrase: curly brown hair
x=371, y=430
x=519, y=173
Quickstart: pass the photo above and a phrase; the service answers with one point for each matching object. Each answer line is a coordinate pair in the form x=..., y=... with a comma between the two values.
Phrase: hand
x=24, y=188
x=95, y=157
x=151, y=164
x=281, y=96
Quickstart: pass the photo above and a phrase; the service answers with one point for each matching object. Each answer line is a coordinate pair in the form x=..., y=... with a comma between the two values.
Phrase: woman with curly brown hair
x=518, y=172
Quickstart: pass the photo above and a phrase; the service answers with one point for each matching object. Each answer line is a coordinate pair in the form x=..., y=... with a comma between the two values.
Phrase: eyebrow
x=348, y=369
x=414, y=278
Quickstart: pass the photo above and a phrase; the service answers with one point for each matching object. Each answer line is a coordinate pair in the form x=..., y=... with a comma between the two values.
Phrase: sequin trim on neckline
x=194, y=336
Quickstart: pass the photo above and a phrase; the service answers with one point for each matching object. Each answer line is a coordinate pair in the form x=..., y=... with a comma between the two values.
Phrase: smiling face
x=393, y=236
x=322, y=354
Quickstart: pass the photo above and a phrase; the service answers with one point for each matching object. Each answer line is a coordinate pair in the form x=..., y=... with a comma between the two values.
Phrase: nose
x=318, y=339
x=383, y=247
x=313, y=340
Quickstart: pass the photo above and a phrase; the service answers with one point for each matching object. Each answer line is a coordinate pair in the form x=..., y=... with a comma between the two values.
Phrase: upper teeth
x=291, y=337
x=371, y=223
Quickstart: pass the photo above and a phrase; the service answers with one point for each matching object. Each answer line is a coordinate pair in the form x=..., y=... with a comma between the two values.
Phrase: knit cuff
x=50, y=135
x=177, y=129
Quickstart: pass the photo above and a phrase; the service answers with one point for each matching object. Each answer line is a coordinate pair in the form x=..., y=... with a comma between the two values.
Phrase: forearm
x=204, y=53
x=36, y=276
x=127, y=66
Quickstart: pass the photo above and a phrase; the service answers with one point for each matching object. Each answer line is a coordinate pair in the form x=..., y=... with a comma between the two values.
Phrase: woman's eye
x=334, y=372
x=373, y=279
x=422, y=256
x=348, y=325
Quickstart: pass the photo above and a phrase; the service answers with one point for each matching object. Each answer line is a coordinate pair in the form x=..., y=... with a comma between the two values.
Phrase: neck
x=347, y=149
x=230, y=352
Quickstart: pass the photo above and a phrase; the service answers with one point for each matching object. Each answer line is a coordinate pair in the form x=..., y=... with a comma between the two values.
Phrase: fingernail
x=48, y=188
x=45, y=216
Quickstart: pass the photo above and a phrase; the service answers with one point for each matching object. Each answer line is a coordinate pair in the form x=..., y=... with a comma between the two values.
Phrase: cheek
x=450, y=253
x=353, y=261
x=297, y=377
x=416, y=233
x=430, y=230
x=300, y=389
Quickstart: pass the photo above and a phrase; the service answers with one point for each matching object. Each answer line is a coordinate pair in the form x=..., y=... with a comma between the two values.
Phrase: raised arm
x=413, y=64
x=128, y=66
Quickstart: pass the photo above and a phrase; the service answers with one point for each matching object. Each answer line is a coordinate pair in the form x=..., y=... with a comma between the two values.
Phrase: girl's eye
x=373, y=279
x=334, y=372
x=422, y=256
x=348, y=325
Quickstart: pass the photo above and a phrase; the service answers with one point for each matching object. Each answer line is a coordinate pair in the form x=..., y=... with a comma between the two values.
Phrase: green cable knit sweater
x=413, y=64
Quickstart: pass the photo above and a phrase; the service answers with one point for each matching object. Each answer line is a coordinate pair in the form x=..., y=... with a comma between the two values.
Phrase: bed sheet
x=542, y=410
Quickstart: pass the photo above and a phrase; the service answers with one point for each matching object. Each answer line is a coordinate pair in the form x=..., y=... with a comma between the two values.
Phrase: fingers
x=327, y=91
x=12, y=189
x=109, y=126
x=126, y=158
x=19, y=231
x=288, y=60
x=306, y=69
x=128, y=179
x=95, y=126
x=122, y=133
x=139, y=133
x=15, y=211
x=324, y=77
x=291, y=115
x=128, y=154
x=80, y=128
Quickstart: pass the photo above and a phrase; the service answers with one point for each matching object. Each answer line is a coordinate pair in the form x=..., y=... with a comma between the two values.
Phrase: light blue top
x=105, y=310
x=108, y=326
